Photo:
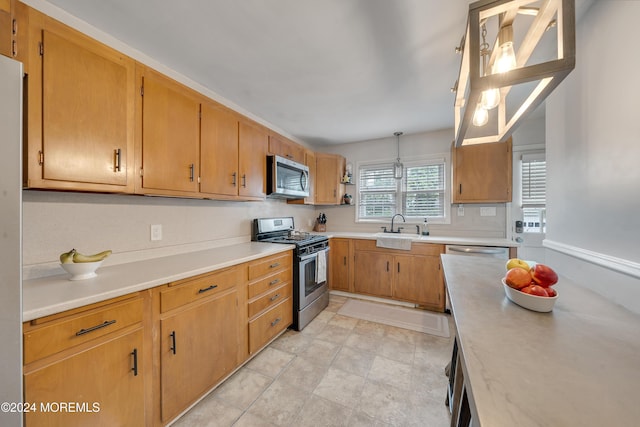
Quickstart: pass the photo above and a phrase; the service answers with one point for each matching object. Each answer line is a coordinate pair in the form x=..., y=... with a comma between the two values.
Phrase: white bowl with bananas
x=81, y=266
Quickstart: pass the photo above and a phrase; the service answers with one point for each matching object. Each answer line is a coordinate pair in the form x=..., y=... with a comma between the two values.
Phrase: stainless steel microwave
x=287, y=179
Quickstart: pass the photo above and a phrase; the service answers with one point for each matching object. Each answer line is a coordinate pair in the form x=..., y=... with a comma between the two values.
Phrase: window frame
x=400, y=192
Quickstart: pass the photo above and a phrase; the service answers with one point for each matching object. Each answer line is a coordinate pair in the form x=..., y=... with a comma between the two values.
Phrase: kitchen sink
x=395, y=241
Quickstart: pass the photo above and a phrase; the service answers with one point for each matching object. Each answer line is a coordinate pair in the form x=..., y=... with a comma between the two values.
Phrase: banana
x=78, y=257
x=67, y=257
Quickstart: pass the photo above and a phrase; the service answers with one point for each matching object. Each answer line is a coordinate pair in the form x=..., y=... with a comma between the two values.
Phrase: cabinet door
x=339, y=264
x=170, y=136
x=329, y=170
x=482, y=173
x=5, y=28
x=218, y=151
x=87, y=111
x=418, y=280
x=372, y=273
x=105, y=375
x=286, y=148
x=253, y=160
x=199, y=346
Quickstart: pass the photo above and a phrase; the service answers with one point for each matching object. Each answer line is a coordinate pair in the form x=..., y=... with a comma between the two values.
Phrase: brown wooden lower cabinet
x=412, y=276
x=95, y=376
x=142, y=359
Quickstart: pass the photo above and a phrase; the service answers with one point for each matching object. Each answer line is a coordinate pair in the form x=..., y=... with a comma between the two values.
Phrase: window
x=422, y=192
x=534, y=189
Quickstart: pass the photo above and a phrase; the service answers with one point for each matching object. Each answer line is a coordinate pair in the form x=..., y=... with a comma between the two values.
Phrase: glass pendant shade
x=398, y=169
x=490, y=98
x=506, y=59
x=480, y=117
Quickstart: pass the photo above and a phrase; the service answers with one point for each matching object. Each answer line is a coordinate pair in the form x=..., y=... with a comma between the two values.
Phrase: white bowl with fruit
x=530, y=287
x=81, y=266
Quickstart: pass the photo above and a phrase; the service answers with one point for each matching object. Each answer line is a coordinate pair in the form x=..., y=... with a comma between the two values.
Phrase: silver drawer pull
x=274, y=265
x=275, y=322
x=275, y=297
x=94, y=328
x=273, y=282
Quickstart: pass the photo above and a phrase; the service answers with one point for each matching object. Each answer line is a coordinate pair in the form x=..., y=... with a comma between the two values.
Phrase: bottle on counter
x=425, y=228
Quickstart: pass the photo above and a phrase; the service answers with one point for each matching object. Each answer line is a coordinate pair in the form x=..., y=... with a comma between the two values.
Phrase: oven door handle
x=313, y=255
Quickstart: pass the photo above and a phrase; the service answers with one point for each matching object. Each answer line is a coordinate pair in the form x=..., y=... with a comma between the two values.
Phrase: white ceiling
x=323, y=71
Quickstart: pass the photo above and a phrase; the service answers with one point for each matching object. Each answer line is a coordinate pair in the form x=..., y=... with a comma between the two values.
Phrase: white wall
x=55, y=222
x=343, y=218
x=593, y=149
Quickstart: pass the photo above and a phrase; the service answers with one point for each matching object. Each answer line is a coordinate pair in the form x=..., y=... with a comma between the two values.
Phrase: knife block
x=320, y=227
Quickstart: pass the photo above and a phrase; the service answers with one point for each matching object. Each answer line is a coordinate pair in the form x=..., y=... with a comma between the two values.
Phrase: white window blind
x=534, y=180
x=424, y=191
x=421, y=192
x=377, y=189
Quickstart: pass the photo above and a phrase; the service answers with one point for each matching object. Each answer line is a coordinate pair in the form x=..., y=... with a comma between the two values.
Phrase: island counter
x=578, y=365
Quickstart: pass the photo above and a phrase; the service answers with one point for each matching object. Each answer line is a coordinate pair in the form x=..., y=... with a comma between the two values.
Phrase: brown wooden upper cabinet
x=219, y=151
x=80, y=111
x=482, y=173
x=232, y=155
x=286, y=148
x=5, y=28
x=329, y=171
x=252, y=162
x=169, y=152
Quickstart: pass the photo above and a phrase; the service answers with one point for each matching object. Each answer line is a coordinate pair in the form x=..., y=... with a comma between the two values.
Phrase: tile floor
x=338, y=371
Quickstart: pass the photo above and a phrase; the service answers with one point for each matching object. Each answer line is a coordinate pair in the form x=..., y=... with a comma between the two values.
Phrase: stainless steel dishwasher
x=485, y=251
x=488, y=251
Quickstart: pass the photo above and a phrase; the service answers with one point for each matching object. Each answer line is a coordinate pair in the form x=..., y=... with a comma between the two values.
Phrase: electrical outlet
x=460, y=210
x=156, y=232
x=488, y=211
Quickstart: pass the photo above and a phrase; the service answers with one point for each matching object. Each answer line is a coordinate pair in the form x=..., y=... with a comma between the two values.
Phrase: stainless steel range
x=310, y=258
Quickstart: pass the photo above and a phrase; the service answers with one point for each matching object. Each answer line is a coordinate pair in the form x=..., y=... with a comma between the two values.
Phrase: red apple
x=543, y=275
x=535, y=290
x=552, y=292
x=517, y=278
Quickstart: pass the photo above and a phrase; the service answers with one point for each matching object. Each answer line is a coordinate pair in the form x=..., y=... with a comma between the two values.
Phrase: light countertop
x=578, y=365
x=54, y=294
x=445, y=240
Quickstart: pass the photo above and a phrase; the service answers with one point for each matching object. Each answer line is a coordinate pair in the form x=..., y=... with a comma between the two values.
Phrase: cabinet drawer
x=50, y=338
x=416, y=248
x=265, y=266
x=268, y=325
x=189, y=290
x=269, y=282
x=269, y=299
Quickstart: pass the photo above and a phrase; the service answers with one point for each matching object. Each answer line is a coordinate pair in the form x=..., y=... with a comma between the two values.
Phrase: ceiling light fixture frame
x=473, y=80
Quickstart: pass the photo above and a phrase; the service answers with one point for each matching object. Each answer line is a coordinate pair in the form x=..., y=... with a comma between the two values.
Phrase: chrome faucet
x=393, y=218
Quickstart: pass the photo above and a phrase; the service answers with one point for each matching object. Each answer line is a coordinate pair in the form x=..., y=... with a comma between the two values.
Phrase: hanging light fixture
x=490, y=97
x=487, y=78
x=398, y=168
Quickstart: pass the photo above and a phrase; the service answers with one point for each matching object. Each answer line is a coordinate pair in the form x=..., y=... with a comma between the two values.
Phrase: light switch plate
x=460, y=210
x=156, y=232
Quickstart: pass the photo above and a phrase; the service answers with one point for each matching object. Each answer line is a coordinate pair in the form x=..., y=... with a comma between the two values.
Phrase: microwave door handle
x=304, y=180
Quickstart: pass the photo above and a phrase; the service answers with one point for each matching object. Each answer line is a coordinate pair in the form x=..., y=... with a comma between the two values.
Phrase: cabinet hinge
x=141, y=172
x=41, y=48
x=142, y=90
x=198, y=180
x=40, y=158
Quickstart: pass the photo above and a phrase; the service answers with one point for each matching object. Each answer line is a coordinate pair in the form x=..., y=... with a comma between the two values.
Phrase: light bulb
x=506, y=59
x=490, y=98
x=481, y=116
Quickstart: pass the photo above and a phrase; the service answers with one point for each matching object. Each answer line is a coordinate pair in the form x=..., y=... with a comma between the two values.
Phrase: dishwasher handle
x=475, y=250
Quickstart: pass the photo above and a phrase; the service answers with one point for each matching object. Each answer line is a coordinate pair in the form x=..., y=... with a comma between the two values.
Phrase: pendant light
x=506, y=59
x=398, y=168
x=506, y=71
